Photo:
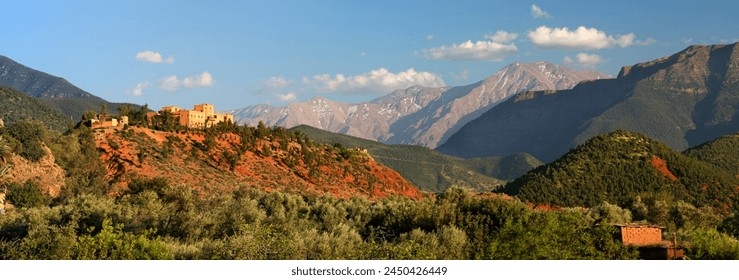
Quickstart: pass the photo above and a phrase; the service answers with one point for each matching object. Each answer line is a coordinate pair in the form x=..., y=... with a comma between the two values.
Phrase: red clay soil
x=145, y=153
x=661, y=166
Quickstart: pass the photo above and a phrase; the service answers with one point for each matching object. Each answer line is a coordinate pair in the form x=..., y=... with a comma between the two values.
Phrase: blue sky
x=240, y=53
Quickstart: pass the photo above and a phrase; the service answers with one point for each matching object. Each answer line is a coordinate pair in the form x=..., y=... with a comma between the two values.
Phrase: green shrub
x=26, y=195
x=31, y=135
x=709, y=244
x=111, y=243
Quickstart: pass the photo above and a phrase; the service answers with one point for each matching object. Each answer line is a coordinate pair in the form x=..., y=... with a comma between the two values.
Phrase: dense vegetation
x=430, y=170
x=506, y=168
x=157, y=221
x=154, y=219
x=17, y=106
x=623, y=167
x=722, y=152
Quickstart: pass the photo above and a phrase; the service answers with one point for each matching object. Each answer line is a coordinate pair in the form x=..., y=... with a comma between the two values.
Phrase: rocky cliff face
x=417, y=115
x=48, y=175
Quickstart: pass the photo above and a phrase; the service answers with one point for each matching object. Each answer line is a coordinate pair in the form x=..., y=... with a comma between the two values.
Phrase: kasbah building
x=202, y=115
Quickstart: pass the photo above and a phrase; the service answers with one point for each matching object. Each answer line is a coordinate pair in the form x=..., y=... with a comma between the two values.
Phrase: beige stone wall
x=641, y=236
x=223, y=118
x=202, y=115
x=192, y=118
x=171, y=109
x=208, y=109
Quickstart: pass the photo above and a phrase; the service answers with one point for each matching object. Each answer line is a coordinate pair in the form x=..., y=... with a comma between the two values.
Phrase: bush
x=709, y=244
x=730, y=225
x=31, y=135
x=157, y=185
x=114, y=244
x=26, y=195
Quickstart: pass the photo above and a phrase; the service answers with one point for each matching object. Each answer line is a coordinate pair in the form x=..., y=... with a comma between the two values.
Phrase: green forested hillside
x=722, y=152
x=619, y=166
x=506, y=168
x=17, y=106
x=431, y=170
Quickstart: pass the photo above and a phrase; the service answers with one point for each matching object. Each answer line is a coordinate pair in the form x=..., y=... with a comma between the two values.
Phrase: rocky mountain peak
x=695, y=61
x=420, y=115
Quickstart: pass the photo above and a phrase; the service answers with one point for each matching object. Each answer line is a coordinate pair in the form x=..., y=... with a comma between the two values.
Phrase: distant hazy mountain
x=52, y=91
x=682, y=100
x=370, y=120
x=417, y=115
x=430, y=170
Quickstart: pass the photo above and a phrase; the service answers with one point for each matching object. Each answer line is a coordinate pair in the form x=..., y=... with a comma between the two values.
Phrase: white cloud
x=290, y=96
x=584, y=60
x=380, y=81
x=429, y=37
x=537, y=12
x=153, y=57
x=580, y=38
x=139, y=89
x=481, y=50
x=172, y=83
x=169, y=83
x=502, y=37
x=202, y=80
x=276, y=83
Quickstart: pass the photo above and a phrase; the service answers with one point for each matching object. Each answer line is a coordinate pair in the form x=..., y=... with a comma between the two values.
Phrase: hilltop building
x=202, y=115
x=106, y=121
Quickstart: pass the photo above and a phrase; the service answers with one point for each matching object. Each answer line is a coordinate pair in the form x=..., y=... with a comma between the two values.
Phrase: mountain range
x=417, y=115
x=682, y=100
x=54, y=92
